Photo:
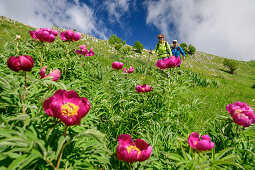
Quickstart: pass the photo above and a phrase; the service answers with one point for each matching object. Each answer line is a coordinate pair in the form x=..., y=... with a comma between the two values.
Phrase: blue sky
x=221, y=27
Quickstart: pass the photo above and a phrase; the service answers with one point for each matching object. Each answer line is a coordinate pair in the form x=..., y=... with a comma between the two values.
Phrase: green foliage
x=178, y=106
x=124, y=42
x=114, y=40
x=191, y=49
x=125, y=49
x=138, y=47
x=118, y=46
x=231, y=64
x=184, y=46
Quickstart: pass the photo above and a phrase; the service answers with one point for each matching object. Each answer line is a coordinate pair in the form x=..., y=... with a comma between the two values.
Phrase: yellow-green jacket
x=161, y=50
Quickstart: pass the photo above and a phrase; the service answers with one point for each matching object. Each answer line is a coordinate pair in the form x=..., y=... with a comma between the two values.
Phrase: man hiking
x=177, y=51
x=162, y=48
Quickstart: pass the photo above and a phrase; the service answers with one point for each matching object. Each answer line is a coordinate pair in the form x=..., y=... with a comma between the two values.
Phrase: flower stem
x=17, y=47
x=237, y=129
x=67, y=53
x=131, y=165
x=61, y=152
x=24, y=95
x=42, y=56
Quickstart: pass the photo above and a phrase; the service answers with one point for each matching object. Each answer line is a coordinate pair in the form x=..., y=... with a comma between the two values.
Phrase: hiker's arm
x=169, y=49
x=154, y=51
x=183, y=53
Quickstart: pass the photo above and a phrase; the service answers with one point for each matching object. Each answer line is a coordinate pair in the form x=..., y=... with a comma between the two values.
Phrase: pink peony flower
x=44, y=34
x=21, y=63
x=90, y=53
x=117, y=65
x=55, y=74
x=69, y=35
x=241, y=113
x=130, y=70
x=67, y=106
x=130, y=151
x=84, y=51
x=168, y=62
x=143, y=88
x=202, y=144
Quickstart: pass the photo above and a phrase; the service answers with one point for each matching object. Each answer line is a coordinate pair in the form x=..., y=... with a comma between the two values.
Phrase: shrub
x=184, y=46
x=191, y=49
x=138, y=47
x=118, y=46
x=231, y=64
x=125, y=49
x=124, y=42
x=114, y=39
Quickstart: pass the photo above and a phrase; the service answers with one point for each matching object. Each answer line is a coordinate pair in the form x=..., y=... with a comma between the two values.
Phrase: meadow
x=165, y=117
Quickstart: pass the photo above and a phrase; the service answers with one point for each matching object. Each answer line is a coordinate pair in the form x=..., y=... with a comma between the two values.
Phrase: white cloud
x=116, y=9
x=221, y=27
x=63, y=13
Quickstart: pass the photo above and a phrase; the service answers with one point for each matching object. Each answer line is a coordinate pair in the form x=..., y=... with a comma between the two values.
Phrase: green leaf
x=175, y=157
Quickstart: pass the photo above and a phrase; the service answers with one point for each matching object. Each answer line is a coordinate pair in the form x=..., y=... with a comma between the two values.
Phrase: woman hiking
x=162, y=48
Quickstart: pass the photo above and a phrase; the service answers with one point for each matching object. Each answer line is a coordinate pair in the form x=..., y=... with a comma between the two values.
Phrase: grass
x=165, y=117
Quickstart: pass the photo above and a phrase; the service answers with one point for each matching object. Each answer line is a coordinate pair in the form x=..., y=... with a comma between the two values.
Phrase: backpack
x=178, y=48
x=165, y=46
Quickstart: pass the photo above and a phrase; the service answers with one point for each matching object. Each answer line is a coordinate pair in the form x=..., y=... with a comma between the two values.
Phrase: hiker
x=177, y=50
x=162, y=48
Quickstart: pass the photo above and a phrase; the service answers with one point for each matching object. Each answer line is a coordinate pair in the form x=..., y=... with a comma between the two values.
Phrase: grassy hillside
x=164, y=118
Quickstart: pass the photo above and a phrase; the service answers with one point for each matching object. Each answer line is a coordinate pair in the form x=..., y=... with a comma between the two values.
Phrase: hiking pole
x=147, y=63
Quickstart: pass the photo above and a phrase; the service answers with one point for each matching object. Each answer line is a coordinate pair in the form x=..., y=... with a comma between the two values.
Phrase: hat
x=174, y=40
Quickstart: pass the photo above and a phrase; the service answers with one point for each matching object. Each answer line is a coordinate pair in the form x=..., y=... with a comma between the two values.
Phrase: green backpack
x=165, y=46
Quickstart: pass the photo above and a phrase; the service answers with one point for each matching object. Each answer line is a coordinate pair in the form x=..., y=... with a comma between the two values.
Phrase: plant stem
x=237, y=129
x=67, y=53
x=130, y=165
x=61, y=152
x=17, y=47
x=42, y=56
x=24, y=95
x=50, y=163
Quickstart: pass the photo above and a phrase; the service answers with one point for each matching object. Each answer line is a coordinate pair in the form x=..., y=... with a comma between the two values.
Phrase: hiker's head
x=175, y=43
x=161, y=37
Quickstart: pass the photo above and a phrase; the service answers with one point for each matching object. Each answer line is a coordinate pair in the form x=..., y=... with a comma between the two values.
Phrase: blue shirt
x=177, y=51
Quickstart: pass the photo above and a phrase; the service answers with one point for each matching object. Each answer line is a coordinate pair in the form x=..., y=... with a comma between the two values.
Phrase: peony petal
x=55, y=33
x=84, y=107
x=43, y=72
x=71, y=97
x=203, y=145
x=122, y=153
x=14, y=64
x=56, y=74
x=205, y=137
x=141, y=144
x=133, y=154
x=193, y=139
x=62, y=36
x=145, y=154
x=139, y=88
x=47, y=106
x=125, y=140
x=240, y=119
x=32, y=34
x=77, y=36
x=26, y=62
x=83, y=47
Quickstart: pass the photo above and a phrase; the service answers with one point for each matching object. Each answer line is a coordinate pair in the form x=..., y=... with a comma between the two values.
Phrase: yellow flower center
x=69, y=109
x=237, y=111
x=132, y=147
